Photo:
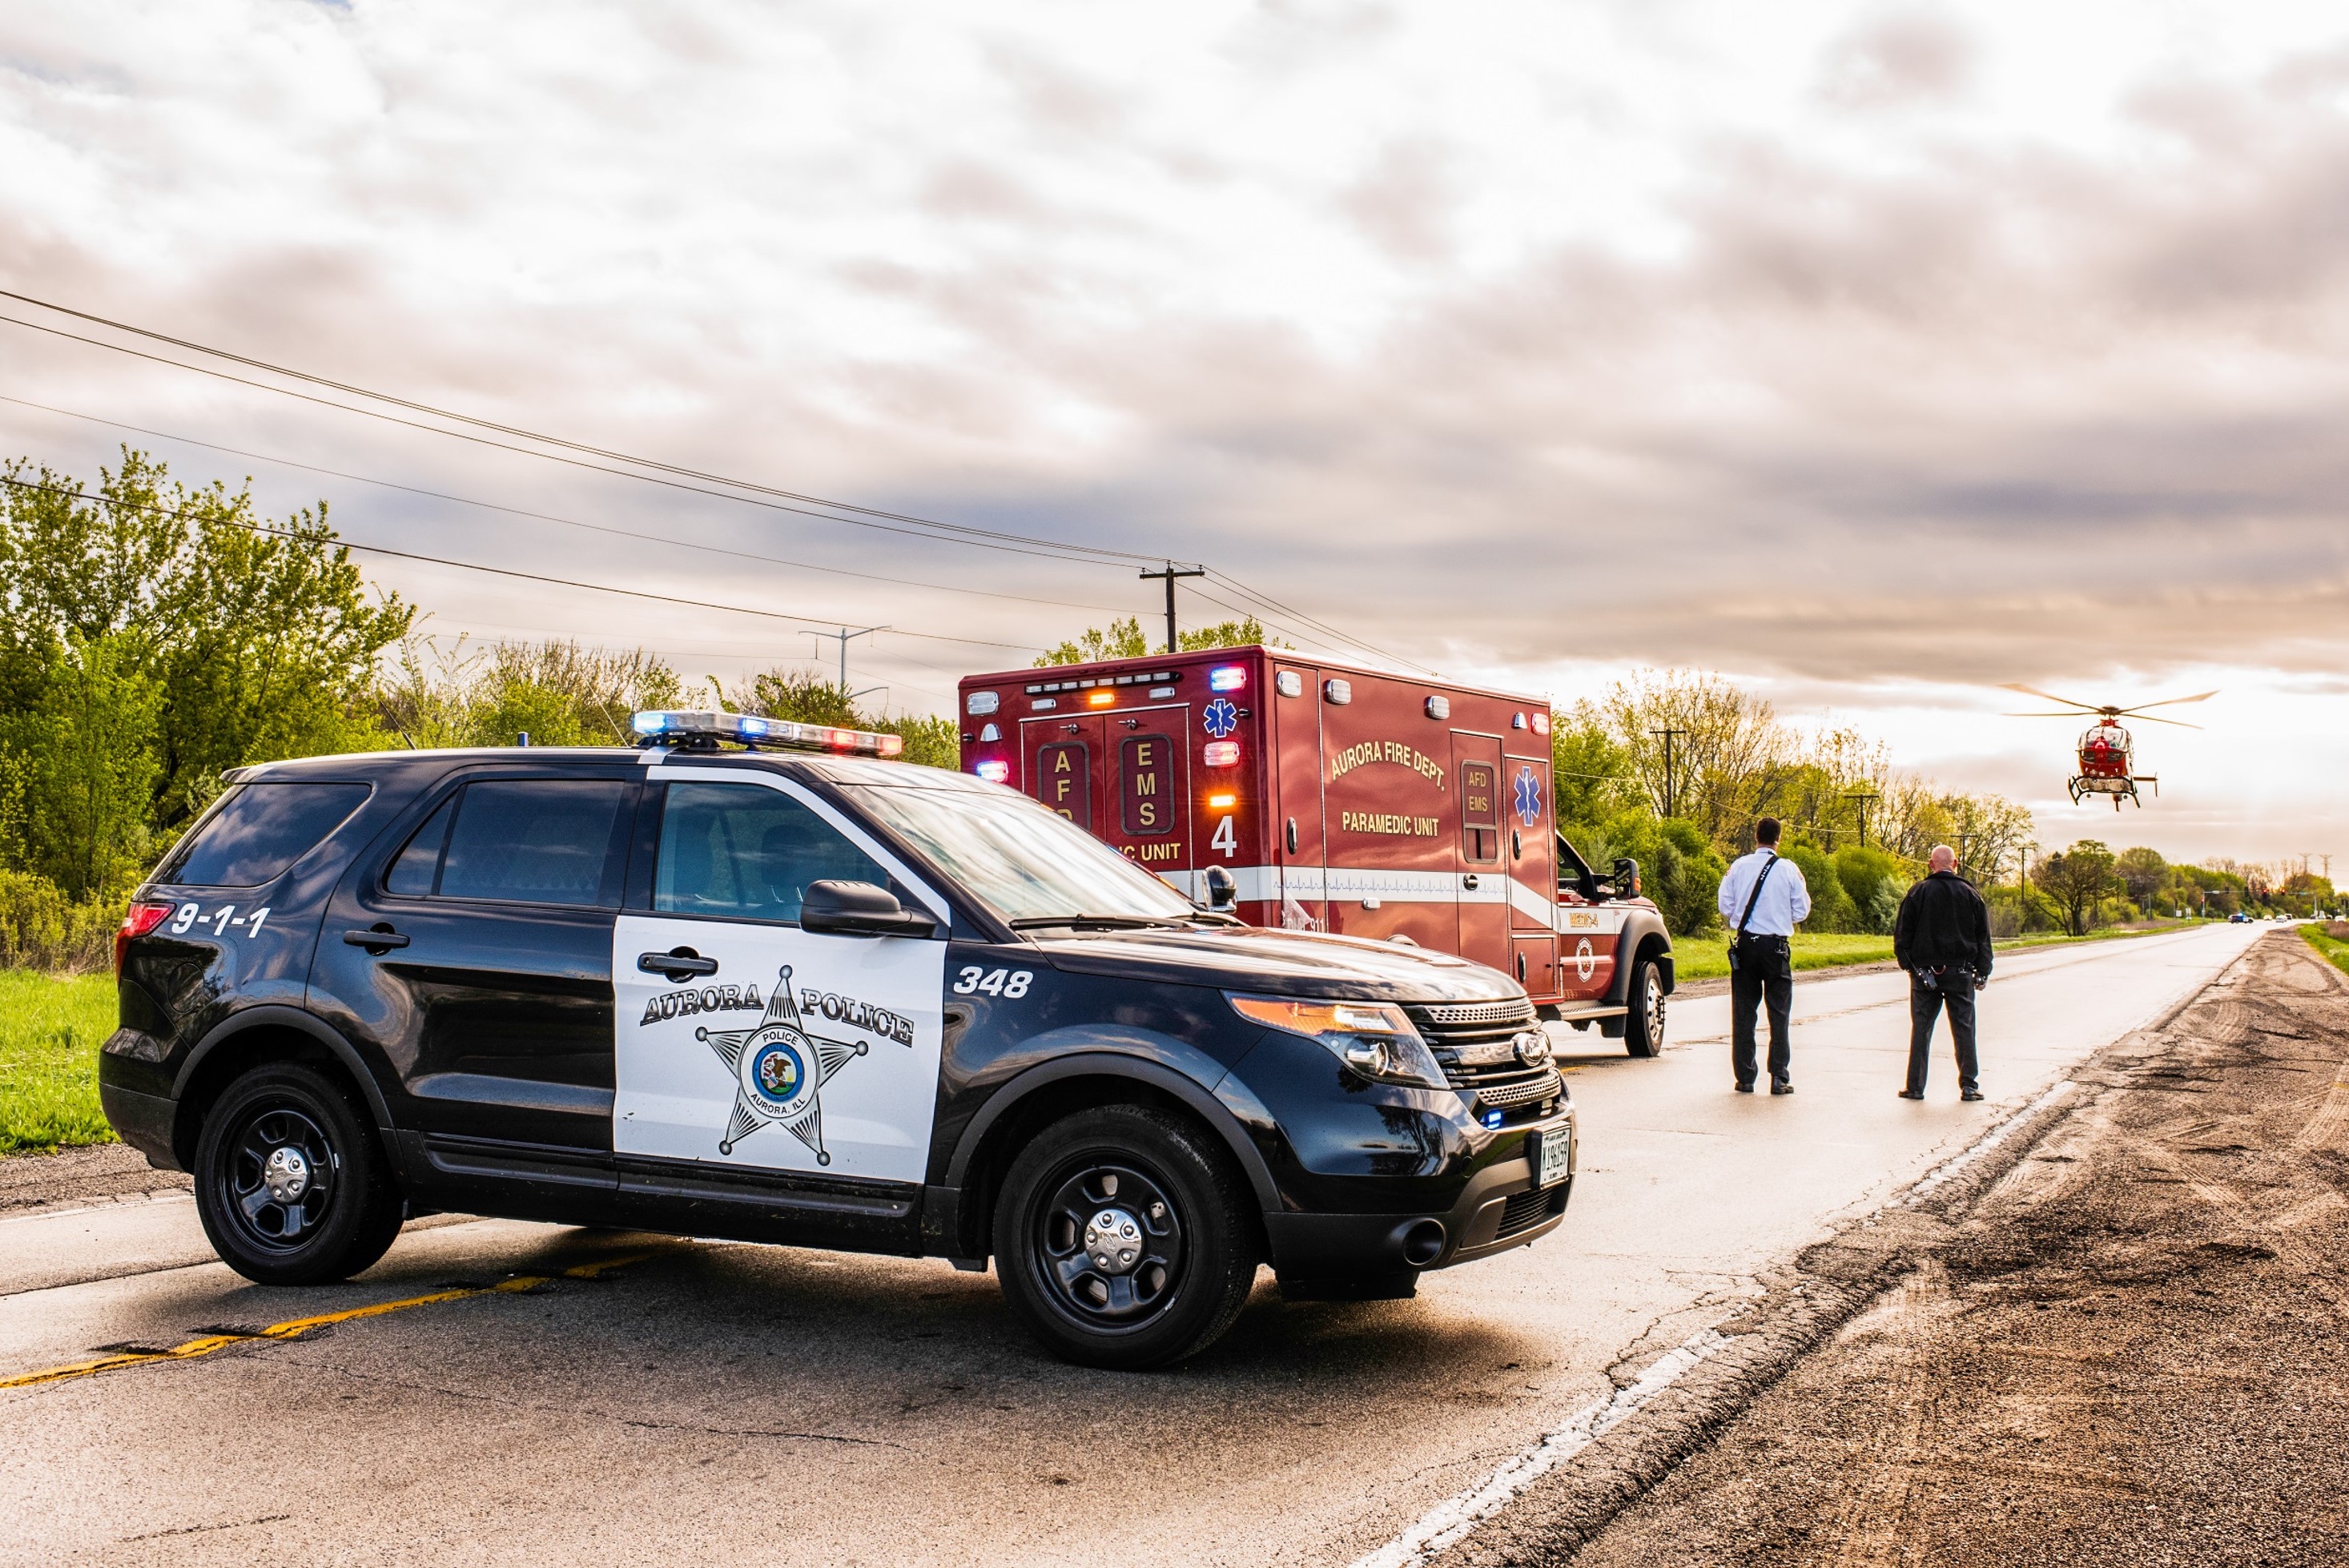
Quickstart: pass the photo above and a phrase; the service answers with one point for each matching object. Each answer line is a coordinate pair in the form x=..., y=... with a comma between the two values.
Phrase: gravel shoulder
x=73, y=1177
x=2127, y=1351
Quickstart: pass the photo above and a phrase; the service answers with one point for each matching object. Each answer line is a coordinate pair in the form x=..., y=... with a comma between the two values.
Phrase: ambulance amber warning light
x=1221, y=753
x=1100, y=698
x=1222, y=802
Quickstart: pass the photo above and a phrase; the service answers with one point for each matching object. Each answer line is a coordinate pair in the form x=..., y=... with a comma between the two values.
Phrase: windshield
x=1019, y=860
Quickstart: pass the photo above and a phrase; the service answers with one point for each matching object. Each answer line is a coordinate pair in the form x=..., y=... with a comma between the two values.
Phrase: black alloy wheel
x=291, y=1184
x=1124, y=1238
x=1644, y=1030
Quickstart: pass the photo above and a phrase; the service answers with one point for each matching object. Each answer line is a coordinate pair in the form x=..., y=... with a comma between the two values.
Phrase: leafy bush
x=42, y=928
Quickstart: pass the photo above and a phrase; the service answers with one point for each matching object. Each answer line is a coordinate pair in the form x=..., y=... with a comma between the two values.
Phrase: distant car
x=2239, y=918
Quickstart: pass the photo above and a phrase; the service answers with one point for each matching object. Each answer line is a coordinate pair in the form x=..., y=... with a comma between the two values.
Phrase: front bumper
x=1499, y=1208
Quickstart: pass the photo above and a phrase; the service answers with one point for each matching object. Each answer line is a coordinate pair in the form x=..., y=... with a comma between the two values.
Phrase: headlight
x=1374, y=1039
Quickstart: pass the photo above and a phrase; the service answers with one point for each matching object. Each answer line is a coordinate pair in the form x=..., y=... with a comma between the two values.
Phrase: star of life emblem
x=1529, y=798
x=1220, y=717
x=780, y=1070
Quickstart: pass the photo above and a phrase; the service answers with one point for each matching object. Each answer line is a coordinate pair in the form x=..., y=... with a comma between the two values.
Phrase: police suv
x=753, y=980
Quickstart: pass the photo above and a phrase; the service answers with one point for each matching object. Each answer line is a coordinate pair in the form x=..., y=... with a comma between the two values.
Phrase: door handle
x=1469, y=881
x=381, y=940
x=682, y=964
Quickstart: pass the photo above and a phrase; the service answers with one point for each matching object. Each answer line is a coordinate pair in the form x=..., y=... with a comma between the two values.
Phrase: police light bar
x=664, y=727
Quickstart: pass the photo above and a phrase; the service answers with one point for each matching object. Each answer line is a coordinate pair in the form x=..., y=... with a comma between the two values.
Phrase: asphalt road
x=720, y=1403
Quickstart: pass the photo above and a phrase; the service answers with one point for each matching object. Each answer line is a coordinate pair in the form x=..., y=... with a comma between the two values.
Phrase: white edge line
x=1455, y=1516
x=1956, y=1163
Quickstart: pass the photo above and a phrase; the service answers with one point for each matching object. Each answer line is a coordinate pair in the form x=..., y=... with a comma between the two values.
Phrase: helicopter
x=2105, y=750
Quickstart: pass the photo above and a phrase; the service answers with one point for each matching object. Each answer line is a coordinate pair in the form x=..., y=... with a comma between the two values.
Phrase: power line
x=859, y=516
x=550, y=517
x=1057, y=554
x=610, y=454
x=497, y=571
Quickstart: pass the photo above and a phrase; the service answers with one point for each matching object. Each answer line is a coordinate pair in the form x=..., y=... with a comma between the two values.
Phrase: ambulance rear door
x=1297, y=823
x=1484, y=875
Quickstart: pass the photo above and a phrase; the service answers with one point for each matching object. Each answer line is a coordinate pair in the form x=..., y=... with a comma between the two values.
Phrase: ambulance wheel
x=1644, y=1030
x=1124, y=1238
x=291, y=1184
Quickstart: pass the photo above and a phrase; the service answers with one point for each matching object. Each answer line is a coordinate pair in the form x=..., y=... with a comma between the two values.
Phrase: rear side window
x=742, y=852
x=259, y=829
x=523, y=840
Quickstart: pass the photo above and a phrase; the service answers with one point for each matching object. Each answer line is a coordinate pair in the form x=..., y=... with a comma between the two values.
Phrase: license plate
x=1553, y=1154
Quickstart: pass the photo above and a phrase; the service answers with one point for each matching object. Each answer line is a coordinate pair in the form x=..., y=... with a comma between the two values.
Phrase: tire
x=291, y=1183
x=1644, y=1029
x=1193, y=1232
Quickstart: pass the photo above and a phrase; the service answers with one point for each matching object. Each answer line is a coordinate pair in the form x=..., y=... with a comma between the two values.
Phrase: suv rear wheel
x=1643, y=1031
x=1124, y=1238
x=290, y=1182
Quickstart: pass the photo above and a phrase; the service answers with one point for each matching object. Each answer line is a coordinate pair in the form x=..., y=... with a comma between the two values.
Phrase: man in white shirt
x=1762, y=898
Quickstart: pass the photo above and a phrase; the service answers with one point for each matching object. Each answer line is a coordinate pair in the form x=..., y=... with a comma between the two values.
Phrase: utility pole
x=1863, y=797
x=844, y=638
x=1670, y=800
x=1173, y=646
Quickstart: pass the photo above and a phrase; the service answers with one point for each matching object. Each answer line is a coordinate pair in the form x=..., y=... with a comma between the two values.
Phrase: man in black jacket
x=1942, y=940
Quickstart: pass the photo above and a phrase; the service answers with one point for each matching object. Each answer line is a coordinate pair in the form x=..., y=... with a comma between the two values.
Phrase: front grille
x=1543, y=1086
x=1517, y=1014
x=1529, y=1208
x=1471, y=1041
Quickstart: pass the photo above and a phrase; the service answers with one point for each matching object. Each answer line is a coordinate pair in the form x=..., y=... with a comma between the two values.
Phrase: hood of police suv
x=1277, y=963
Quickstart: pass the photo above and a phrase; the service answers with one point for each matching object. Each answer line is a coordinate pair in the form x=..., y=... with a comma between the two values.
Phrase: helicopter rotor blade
x=2091, y=714
x=2050, y=697
x=2155, y=718
x=2172, y=702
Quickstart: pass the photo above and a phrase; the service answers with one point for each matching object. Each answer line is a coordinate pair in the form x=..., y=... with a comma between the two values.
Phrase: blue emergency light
x=661, y=727
x=1227, y=677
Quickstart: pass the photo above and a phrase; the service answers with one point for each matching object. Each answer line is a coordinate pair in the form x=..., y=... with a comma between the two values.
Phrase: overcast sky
x=1871, y=355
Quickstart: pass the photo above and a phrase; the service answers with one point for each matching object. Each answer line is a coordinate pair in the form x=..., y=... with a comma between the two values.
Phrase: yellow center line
x=294, y=1328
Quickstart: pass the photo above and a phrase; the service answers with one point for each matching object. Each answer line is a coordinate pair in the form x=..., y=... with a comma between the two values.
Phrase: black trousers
x=1925, y=1004
x=1747, y=992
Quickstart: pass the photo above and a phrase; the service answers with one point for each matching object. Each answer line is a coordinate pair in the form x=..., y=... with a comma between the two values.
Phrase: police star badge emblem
x=780, y=1070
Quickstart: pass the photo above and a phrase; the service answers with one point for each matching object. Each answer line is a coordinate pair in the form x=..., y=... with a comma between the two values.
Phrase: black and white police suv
x=753, y=980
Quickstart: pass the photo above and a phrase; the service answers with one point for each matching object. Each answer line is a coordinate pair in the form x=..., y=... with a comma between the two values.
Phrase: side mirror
x=1223, y=887
x=859, y=909
x=1626, y=877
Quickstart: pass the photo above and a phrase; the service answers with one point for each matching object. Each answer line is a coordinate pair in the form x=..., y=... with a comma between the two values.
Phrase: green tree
x=1831, y=905
x=1126, y=639
x=1872, y=880
x=2145, y=876
x=83, y=769
x=259, y=639
x=557, y=692
x=2078, y=879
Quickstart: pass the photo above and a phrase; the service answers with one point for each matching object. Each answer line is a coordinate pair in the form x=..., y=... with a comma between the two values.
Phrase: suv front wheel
x=1124, y=1238
x=290, y=1182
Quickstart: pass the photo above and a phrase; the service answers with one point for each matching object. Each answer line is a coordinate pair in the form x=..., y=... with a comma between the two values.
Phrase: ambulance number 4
x=1227, y=838
x=188, y=915
x=1011, y=983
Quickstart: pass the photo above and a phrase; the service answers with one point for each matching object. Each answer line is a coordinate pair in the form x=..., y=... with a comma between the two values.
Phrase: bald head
x=1943, y=858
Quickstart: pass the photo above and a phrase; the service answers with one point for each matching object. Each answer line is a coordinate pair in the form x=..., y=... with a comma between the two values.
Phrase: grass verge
x=1707, y=957
x=2331, y=948
x=50, y=1029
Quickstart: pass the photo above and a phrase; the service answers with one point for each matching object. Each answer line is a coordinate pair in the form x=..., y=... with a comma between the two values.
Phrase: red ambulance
x=1340, y=800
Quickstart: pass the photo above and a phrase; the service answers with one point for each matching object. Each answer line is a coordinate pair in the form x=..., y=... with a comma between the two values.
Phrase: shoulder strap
x=1756, y=896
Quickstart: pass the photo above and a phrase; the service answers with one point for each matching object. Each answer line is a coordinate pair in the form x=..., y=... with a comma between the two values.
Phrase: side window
x=743, y=852
x=418, y=865
x=1147, y=785
x=1065, y=782
x=1480, y=812
x=530, y=841
x=259, y=829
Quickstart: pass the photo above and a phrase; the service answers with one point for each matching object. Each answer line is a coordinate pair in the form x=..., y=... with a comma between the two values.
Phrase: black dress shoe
x=1912, y=1094
x=1971, y=1094
x=1782, y=1086
x=1744, y=1088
